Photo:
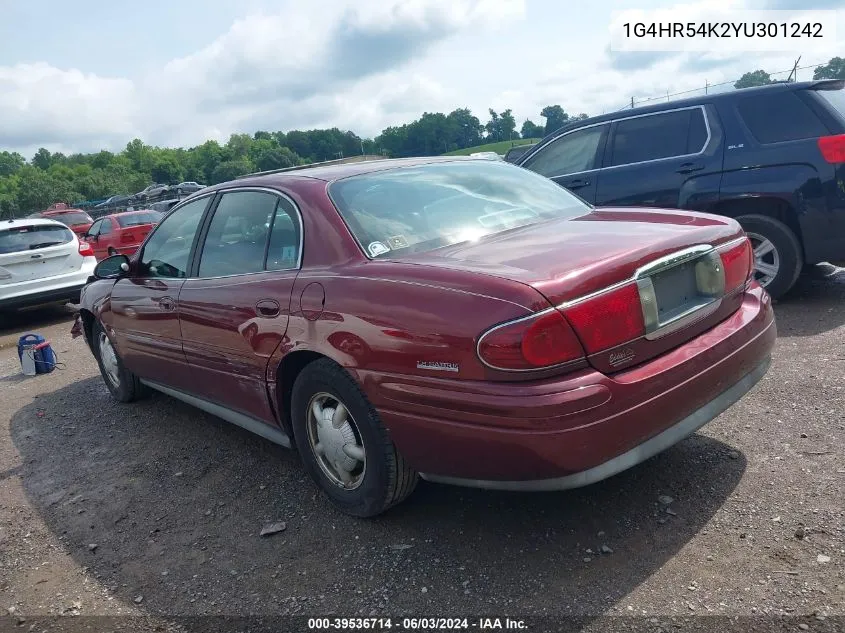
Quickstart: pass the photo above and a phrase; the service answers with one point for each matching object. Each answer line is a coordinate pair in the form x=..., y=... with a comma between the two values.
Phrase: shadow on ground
x=814, y=305
x=174, y=500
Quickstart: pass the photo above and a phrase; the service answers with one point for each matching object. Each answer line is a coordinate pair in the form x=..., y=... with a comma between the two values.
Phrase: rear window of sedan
x=421, y=208
x=32, y=237
x=137, y=219
x=73, y=218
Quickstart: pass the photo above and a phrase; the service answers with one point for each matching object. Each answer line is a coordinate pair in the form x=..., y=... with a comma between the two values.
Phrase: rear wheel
x=778, y=258
x=343, y=444
x=112, y=251
x=122, y=383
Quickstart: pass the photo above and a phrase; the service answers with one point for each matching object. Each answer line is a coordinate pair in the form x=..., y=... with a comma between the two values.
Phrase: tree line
x=31, y=185
x=833, y=69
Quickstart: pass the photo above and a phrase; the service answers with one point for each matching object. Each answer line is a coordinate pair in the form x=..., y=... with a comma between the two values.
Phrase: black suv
x=772, y=157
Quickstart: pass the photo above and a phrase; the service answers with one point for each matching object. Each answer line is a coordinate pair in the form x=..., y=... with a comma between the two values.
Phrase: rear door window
x=656, y=136
x=33, y=237
x=236, y=242
x=782, y=116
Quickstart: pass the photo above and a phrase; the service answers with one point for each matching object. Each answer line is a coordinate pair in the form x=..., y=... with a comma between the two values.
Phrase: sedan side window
x=571, y=153
x=283, y=252
x=105, y=227
x=95, y=228
x=237, y=235
x=168, y=250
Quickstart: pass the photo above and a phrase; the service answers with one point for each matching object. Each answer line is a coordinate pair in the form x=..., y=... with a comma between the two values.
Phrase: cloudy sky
x=86, y=75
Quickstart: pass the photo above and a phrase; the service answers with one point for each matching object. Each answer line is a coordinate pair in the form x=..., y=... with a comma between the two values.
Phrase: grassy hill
x=499, y=148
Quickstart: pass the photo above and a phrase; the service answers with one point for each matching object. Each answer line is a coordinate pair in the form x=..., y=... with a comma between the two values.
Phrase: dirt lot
x=154, y=510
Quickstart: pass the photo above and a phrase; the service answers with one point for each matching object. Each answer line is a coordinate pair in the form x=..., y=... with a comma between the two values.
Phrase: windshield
x=32, y=237
x=73, y=218
x=136, y=219
x=417, y=209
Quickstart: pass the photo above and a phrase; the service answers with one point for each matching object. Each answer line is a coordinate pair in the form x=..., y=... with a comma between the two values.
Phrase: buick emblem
x=621, y=356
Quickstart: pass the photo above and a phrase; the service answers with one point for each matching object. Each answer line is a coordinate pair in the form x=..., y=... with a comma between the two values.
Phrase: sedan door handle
x=267, y=308
x=688, y=168
x=168, y=304
x=577, y=183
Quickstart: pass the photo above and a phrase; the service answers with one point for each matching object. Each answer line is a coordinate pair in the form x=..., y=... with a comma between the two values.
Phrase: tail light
x=833, y=148
x=85, y=249
x=127, y=238
x=608, y=319
x=535, y=342
x=738, y=262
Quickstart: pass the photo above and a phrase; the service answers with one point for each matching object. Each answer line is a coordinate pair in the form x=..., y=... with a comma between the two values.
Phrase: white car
x=41, y=261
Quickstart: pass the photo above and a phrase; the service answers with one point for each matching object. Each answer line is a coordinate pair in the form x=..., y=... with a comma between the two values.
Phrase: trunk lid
x=567, y=260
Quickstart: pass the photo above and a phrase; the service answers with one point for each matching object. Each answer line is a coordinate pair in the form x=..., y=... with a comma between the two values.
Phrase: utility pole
x=632, y=103
x=706, y=86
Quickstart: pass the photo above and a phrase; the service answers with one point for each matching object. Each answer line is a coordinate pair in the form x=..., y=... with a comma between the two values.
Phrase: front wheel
x=123, y=385
x=778, y=257
x=343, y=445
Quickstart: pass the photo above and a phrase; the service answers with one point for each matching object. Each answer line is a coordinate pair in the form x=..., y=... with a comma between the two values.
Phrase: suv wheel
x=778, y=258
x=343, y=444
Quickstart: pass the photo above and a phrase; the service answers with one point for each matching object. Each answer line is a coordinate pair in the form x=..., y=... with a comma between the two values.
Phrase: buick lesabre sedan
x=464, y=321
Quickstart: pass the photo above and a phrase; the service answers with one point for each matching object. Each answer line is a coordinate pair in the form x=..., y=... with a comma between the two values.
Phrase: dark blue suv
x=772, y=157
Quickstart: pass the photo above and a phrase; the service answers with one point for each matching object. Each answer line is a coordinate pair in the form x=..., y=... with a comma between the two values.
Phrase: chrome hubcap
x=109, y=359
x=766, y=259
x=336, y=441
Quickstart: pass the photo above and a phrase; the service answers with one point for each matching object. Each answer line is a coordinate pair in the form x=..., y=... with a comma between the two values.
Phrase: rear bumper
x=68, y=293
x=579, y=428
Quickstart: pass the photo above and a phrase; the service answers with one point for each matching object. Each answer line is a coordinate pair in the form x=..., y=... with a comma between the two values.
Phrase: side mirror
x=112, y=267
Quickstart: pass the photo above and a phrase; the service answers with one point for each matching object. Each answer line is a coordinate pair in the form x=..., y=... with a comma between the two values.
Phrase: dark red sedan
x=464, y=321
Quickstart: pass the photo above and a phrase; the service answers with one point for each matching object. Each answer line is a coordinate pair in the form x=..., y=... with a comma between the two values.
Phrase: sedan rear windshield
x=137, y=219
x=32, y=237
x=71, y=219
x=417, y=209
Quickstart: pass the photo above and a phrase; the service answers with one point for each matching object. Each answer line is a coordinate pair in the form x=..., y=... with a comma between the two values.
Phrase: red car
x=465, y=321
x=75, y=219
x=121, y=233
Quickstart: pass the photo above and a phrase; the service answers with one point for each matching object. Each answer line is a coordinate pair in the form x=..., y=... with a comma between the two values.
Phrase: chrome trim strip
x=672, y=259
x=274, y=434
x=636, y=455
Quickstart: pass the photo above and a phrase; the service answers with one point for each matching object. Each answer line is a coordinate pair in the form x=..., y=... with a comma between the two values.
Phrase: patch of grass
x=500, y=148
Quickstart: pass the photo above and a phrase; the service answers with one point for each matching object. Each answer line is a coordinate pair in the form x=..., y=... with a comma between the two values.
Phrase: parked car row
x=157, y=190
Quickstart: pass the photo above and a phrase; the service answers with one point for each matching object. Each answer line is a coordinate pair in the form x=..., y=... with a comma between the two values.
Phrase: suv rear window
x=32, y=237
x=782, y=116
x=836, y=98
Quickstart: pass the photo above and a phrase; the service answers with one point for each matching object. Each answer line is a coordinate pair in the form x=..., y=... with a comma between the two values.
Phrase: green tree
x=42, y=159
x=10, y=163
x=531, y=129
x=555, y=117
x=166, y=169
x=493, y=126
x=753, y=78
x=507, y=125
x=466, y=129
x=834, y=69
x=276, y=158
x=231, y=169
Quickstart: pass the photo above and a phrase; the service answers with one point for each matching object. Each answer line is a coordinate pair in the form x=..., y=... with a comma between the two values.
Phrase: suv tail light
x=738, y=262
x=833, y=148
x=85, y=249
x=541, y=340
x=609, y=319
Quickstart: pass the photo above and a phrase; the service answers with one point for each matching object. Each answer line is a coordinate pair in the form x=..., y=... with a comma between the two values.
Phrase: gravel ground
x=154, y=510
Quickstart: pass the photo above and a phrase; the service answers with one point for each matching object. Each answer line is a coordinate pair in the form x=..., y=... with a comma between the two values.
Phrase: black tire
x=179, y=192
x=128, y=387
x=387, y=478
x=790, y=255
x=111, y=251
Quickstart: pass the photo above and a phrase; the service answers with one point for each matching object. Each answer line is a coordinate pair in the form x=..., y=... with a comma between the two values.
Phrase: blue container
x=42, y=353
